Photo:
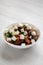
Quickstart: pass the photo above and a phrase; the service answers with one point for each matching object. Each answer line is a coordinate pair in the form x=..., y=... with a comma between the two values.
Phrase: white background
x=30, y=11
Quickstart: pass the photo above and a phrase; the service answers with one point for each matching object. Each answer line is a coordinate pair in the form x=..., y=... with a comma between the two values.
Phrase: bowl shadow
x=9, y=53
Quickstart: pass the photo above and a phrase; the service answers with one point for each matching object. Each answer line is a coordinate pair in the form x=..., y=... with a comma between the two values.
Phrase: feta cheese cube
x=14, y=38
x=23, y=44
x=25, y=32
x=22, y=36
x=22, y=30
x=8, y=39
x=33, y=33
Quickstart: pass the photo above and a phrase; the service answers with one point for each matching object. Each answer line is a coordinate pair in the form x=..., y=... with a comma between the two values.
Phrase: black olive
x=15, y=29
x=19, y=28
x=10, y=34
x=28, y=30
x=24, y=27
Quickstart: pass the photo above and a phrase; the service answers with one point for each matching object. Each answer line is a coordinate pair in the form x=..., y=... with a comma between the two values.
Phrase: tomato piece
x=27, y=36
x=18, y=37
x=27, y=41
x=18, y=42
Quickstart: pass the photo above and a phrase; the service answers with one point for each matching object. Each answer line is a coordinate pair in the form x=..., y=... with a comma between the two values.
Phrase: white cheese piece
x=14, y=38
x=20, y=25
x=23, y=44
x=25, y=32
x=32, y=40
x=22, y=36
x=33, y=33
x=8, y=39
x=22, y=30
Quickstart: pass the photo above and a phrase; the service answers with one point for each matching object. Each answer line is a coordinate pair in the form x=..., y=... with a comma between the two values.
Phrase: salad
x=21, y=34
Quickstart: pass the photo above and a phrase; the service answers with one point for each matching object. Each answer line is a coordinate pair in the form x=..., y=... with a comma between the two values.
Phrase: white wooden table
x=12, y=11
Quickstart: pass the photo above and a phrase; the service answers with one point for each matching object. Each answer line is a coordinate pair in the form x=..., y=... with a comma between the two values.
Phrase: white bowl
x=16, y=46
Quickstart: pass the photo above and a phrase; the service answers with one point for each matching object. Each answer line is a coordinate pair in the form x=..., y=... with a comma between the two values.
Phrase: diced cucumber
x=8, y=34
